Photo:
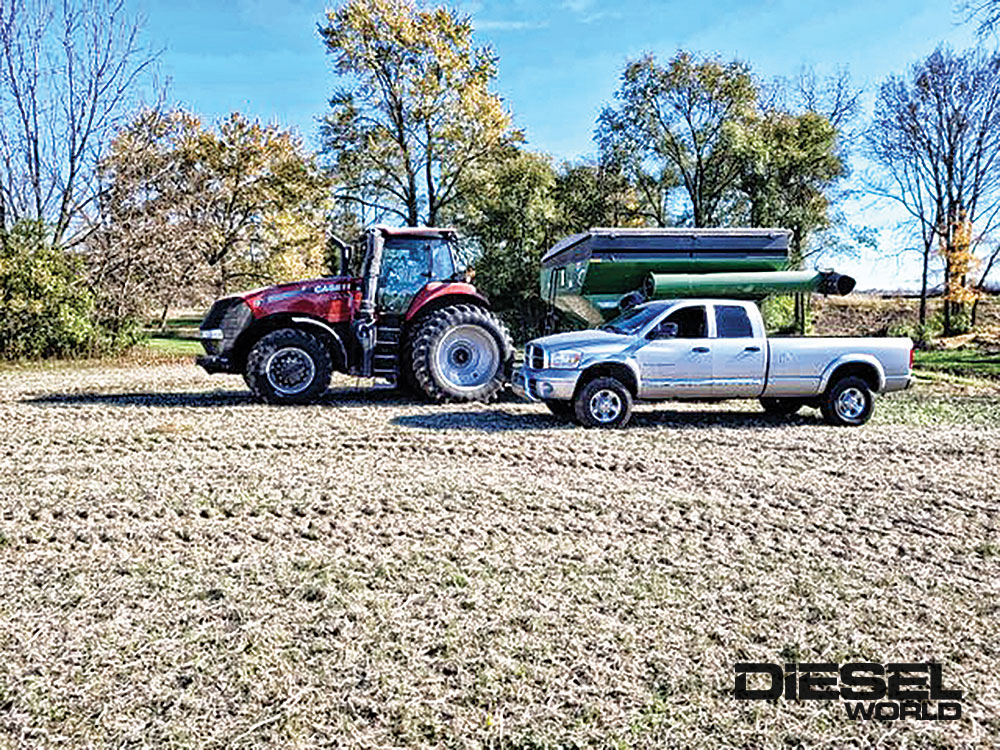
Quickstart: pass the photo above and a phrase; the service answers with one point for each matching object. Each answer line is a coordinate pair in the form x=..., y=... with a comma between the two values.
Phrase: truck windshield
x=632, y=320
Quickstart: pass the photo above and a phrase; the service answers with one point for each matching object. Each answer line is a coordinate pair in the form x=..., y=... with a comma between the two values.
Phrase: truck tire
x=848, y=402
x=289, y=366
x=603, y=402
x=782, y=407
x=562, y=410
x=461, y=353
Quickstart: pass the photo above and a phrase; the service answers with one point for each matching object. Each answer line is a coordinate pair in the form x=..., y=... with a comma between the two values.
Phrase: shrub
x=46, y=305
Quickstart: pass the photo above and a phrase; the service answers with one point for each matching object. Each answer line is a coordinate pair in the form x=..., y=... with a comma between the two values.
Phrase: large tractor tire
x=461, y=353
x=288, y=366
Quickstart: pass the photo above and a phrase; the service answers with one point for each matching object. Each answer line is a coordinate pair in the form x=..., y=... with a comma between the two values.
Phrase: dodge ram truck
x=707, y=349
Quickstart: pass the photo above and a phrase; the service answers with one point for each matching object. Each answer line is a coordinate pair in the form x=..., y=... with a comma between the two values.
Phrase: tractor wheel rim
x=468, y=357
x=605, y=405
x=290, y=370
x=851, y=403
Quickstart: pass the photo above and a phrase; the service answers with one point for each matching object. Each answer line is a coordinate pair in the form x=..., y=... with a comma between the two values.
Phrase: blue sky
x=559, y=60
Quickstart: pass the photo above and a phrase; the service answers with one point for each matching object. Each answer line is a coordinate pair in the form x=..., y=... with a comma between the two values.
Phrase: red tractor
x=411, y=318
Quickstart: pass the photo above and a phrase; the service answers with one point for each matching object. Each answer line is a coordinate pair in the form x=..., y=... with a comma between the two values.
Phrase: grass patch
x=174, y=346
x=968, y=362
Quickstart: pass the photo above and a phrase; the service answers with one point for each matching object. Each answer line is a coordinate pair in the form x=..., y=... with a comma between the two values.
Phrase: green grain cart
x=594, y=275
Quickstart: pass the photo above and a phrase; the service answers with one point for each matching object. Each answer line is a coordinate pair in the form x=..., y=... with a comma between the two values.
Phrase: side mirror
x=664, y=331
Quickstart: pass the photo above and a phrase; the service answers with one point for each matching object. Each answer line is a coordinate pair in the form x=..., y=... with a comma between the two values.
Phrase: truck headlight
x=212, y=334
x=565, y=360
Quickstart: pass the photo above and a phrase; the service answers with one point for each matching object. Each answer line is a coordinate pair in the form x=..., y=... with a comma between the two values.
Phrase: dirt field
x=182, y=568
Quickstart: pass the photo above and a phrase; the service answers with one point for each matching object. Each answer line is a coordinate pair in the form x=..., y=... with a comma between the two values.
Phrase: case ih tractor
x=410, y=319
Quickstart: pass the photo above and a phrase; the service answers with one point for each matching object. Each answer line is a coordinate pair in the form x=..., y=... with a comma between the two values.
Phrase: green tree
x=46, y=306
x=509, y=209
x=417, y=113
x=673, y=121
x=787, y=165
x=596, y=195
x=190, y=211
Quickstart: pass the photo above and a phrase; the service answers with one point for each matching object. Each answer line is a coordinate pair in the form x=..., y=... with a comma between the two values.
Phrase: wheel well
x=615, y=370
x=260, y=328
x=866, y=372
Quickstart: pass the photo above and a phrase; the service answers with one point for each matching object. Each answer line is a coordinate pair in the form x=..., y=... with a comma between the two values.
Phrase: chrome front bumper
x=544, y=385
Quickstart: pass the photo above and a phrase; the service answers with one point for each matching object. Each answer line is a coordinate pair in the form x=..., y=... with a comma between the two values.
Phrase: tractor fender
x=336, y=343
x=434, y=294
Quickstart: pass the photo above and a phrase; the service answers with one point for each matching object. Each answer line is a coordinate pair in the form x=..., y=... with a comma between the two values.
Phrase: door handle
x=752, y=349
x=701, y=349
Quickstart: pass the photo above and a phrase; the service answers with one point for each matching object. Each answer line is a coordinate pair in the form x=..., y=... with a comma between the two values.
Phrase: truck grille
x=535, y=357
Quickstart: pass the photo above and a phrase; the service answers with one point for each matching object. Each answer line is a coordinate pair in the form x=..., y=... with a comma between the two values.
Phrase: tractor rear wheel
x=461, y=353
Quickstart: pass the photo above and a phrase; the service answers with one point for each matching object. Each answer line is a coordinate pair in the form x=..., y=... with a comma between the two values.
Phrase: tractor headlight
x=565, y=360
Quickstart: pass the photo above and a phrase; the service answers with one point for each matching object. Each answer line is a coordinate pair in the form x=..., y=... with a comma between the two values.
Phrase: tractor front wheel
x=461, y=353
x=288, y=366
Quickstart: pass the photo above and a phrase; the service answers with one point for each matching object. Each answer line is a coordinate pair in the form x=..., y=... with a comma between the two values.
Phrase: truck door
x=738, y=353
x=676, y=360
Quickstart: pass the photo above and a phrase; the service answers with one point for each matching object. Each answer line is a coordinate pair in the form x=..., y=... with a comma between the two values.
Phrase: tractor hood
x=278, y=292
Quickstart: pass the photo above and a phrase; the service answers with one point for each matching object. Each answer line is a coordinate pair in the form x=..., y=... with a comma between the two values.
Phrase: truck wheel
x=782, y=407
x=461, y=353
x=603, y=402
x=289, y=366
x=563, y=410
x=848, y=402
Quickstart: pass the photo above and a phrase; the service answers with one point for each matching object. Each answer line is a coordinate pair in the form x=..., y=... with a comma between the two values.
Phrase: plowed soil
x=181, y=567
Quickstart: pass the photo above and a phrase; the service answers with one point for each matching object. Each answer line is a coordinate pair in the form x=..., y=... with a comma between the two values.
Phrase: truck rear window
x=732, y=322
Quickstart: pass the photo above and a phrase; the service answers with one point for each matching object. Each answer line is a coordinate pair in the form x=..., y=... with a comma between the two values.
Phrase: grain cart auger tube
x=410, y=318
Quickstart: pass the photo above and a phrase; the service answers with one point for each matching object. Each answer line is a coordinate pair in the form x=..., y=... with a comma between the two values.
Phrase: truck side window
x=732, y=322
x=691, y=322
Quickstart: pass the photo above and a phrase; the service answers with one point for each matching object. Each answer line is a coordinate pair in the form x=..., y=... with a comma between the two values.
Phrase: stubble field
x=180, y=567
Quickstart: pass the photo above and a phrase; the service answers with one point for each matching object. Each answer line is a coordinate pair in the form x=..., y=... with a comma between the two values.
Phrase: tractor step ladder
x=385, y=358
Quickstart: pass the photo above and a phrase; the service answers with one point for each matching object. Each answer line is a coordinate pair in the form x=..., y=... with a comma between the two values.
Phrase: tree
x=509, y=209
x=936, y=134
x=985, y=12
x=418, y=113
x=186, y=208
x=596, y=195
x=69, y=75
x=675, y=120
x=45, y=303
x=787, y=164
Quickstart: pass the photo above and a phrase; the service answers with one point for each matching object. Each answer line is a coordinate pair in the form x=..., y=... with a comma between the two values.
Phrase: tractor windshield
x=408, y=264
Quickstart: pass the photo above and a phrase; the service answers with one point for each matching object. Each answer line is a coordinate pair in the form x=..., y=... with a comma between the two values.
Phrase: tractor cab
x=411, y=259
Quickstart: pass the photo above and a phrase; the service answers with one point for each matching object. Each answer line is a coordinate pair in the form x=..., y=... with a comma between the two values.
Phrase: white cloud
x=578, y=6
x=492, y=25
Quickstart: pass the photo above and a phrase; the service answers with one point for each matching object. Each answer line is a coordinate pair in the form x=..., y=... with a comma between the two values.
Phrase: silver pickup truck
x=707, y=349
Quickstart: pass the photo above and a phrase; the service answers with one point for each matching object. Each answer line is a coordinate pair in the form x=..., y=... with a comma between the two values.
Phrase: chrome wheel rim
x=850, y=403
x=467, y=357
x=605, y=405
x=290, y=370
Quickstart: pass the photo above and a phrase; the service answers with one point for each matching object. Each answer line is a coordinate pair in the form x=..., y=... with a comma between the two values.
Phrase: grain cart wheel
x=848, y=402
x=782, y=407
x=563, y=410
x=461, y=353
x=289, y=366
x=603, y=402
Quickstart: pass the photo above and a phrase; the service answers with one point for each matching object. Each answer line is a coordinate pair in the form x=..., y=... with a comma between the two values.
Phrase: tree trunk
x=923, y=285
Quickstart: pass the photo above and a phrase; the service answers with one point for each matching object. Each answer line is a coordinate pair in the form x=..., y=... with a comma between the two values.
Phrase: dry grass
x=182, y=568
